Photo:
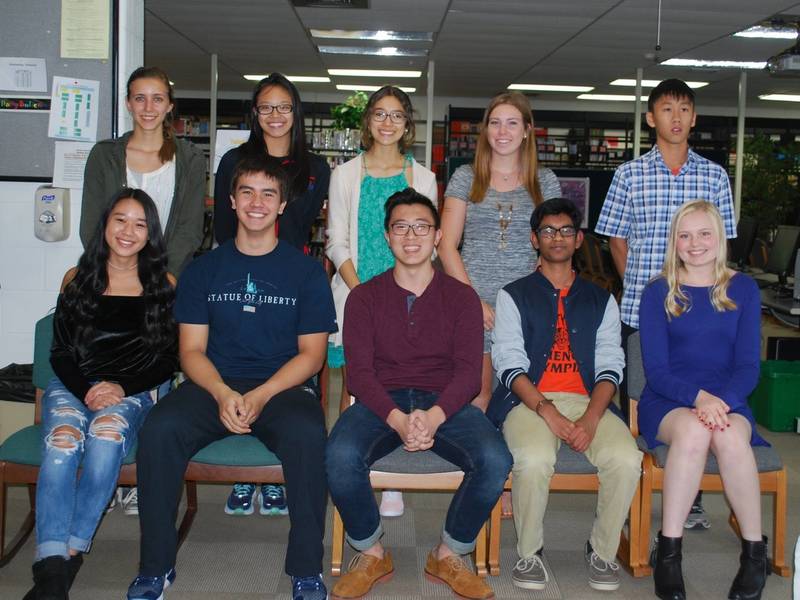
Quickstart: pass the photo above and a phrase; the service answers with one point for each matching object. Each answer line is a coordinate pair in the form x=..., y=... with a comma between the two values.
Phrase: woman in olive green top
x=171, y=170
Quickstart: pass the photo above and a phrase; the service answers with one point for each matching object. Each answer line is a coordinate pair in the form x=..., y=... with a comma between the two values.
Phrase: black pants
x=291, y=425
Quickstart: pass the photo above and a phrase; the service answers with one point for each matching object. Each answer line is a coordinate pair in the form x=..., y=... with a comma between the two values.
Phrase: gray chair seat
x=766, y=457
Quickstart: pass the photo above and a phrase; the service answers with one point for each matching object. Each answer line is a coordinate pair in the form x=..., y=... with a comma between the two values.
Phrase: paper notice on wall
x=85, y=26
x=227, y=139
x=19, y=74
x=70, y=161
x=73, y=109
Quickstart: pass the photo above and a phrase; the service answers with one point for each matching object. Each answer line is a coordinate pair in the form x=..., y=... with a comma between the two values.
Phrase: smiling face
x=148, y=103
x=556, y=249
x=126, y=229
x=672, y=118
x=412, y=249
x=506, y=129
x=275, y=125
x=387, y=132
x=697, y=240
x=257, y=201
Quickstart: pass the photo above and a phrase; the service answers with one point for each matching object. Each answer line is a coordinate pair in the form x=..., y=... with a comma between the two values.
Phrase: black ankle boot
x=74, y=565
x=753, y=571
x=50, y=579
x=667, y=573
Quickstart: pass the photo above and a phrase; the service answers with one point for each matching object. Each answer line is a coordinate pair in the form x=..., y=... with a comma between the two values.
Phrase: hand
x=711, y=410
x=400, y=422
x=254, y=403
x=103, y=394
x=232, y=410
x=488, y=316
x=424, y=425
x=583, y=433
x=560, y=425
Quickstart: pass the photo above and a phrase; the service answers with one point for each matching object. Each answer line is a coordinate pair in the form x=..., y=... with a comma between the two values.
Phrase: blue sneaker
x=150, y=588
x=240, y=502
x=272, y=500
x=309, y=588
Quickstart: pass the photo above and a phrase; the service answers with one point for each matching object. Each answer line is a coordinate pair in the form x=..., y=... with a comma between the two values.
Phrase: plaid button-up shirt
x=643, y=196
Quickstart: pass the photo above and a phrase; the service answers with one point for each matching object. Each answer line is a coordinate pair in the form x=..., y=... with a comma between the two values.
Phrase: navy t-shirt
x=255, y=306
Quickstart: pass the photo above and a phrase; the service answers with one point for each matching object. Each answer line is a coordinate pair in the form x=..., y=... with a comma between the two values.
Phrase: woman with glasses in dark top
x=359, y=190
x=277, y=129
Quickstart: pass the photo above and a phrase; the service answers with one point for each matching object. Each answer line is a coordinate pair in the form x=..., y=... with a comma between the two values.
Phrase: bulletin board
x=33, y=29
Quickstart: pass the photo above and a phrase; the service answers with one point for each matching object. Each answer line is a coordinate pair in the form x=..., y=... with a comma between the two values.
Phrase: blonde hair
x=483, y=152
x=677, y=302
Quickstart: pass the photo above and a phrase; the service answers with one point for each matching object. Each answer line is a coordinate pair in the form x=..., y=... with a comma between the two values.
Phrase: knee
x=342, y=458
x=693, y=438
x=727, y=444
x=533, y=462
x=109, y=428
x=64, y=438
x=494, y=461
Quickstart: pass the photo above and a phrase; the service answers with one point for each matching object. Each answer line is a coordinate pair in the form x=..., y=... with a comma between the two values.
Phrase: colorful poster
x=73, y=109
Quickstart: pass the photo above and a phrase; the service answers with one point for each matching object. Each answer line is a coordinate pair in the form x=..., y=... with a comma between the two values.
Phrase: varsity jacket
x=524, y=330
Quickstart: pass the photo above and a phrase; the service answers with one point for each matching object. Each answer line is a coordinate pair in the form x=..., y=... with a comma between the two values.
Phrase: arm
x=94, y=186
x=317, y=196
x=656, y=350
x=187, y=234
x=747, y=352
x=339, y=206
x=62, y=357
x=619, y=252
x=224, y=216
x=586, y=426
x=454, y=216
x=724, y=202
x=615, y=219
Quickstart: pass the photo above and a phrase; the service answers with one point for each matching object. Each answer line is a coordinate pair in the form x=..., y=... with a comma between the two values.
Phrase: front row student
x=556, y=350
x=413, y=342
x=113, y=341
x=700, y=344
x=254, y=317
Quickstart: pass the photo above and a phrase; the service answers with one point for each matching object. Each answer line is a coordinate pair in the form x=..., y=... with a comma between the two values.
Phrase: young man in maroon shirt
x=413, y=339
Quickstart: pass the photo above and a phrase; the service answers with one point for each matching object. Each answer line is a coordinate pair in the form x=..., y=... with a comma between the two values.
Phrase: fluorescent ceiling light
x=373, y=50
x=654, y=83
x=611, y=97
x=545, y=87
x=774, y=33
x=381, y=36
x=369, y=88
x=295, y=78
x=713, y=64
x=373, y=73
x=781, y=97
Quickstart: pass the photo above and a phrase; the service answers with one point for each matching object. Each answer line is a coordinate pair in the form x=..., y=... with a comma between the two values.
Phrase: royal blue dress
x=701, y=349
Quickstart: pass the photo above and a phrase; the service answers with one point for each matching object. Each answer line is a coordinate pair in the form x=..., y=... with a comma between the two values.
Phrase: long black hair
x=82, y=295
x=298, y=164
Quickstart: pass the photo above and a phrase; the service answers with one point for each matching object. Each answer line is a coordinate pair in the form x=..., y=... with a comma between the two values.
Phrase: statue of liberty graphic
x=250, y=287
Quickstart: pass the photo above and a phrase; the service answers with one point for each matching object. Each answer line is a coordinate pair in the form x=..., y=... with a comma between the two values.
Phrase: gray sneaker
x=603, y=575
x=530, y=574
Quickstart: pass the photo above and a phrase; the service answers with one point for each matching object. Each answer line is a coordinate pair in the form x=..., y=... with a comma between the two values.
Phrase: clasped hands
x=103, y=394
x=417, y=428
x=712, y=411
x=577, y=434
x=238, y=411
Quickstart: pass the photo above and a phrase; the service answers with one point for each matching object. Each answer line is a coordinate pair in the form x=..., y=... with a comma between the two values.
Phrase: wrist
x=437, y=414
x=543, y=404
x=219, y=391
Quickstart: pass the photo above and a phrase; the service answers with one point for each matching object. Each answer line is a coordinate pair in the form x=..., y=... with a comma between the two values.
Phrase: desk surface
x=783, y=304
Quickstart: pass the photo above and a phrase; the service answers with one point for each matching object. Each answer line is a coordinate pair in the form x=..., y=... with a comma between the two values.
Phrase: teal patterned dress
x=374, y=255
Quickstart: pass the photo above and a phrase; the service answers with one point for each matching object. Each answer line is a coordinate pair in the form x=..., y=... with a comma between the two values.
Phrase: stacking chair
x=772, y=476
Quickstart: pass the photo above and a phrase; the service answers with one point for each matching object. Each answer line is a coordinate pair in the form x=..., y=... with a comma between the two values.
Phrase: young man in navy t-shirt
x=254, y=317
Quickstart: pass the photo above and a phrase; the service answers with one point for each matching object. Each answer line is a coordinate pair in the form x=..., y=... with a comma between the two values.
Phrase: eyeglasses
x=567, y=231
x=419, y=229
x=266, y=109
x=397, y=116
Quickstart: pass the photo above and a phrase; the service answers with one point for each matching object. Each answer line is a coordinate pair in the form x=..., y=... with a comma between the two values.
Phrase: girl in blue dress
x=701, y=344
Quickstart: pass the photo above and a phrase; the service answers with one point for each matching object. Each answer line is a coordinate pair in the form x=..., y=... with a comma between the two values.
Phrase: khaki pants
x=534, y=448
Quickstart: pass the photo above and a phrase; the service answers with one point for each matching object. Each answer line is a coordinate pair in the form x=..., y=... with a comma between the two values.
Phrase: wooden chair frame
x=629, y=553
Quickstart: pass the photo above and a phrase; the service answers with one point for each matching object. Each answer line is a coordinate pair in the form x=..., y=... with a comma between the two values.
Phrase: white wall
x=30, y=269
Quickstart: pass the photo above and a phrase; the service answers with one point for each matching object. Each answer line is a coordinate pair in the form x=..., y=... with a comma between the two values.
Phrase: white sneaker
x=129, y=500
x=391, y=504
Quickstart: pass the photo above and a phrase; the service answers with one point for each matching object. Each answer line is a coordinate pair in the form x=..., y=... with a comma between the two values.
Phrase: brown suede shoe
x=363, y=572
x=458, y=576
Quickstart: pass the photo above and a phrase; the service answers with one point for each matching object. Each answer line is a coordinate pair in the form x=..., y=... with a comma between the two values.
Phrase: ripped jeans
x=69, y=509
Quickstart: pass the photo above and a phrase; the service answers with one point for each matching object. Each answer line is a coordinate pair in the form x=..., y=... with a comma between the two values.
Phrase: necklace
x=506, y=177
x=113, y=266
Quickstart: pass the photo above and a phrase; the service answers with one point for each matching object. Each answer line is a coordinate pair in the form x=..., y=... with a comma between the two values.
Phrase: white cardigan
x=343, y=197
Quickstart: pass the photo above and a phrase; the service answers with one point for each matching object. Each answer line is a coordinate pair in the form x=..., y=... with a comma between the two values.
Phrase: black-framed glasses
x=419, y=229
x=266, y=109
x=397, y=116
x=567, y=231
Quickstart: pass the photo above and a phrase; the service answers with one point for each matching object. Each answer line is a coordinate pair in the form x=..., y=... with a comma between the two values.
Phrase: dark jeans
x=291, y=425
x=466, y=439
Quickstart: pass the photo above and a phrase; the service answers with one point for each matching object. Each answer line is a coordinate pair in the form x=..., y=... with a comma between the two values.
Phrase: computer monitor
x=781, y=255
x=742, y=246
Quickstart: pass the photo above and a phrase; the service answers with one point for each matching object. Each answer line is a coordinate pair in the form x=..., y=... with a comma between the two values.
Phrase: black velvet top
x=117, y=353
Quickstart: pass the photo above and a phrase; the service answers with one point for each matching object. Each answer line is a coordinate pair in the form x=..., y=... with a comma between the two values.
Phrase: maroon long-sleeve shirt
x=394, y=340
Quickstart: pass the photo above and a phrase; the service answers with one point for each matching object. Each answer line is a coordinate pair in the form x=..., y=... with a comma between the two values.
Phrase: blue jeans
x=69, y=509
x=466, y=439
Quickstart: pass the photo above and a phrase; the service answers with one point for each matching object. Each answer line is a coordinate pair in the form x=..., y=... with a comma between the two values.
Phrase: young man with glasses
x=413, y=339
x=556, y=349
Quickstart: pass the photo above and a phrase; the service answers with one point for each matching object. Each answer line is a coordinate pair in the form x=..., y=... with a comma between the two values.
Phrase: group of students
x=251, y=323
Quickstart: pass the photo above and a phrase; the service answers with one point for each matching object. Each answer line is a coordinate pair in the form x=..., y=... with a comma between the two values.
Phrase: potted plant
x=347, y=115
